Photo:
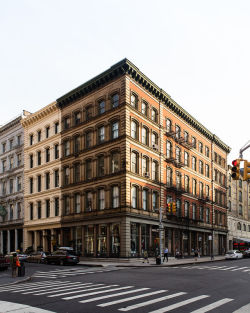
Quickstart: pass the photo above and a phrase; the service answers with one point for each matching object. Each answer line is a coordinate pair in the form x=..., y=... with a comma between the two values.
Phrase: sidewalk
x=138, y=262
x=6, y=278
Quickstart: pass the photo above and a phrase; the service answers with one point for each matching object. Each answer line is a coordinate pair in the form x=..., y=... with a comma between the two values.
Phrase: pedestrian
x=165, y=254
x=14, y=264
x=145, y=256
x=196, y=253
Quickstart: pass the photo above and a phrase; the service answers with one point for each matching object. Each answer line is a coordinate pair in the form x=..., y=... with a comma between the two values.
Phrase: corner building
x=127, y=150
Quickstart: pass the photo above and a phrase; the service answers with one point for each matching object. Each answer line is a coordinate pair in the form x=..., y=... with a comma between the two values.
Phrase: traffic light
x=236, y=169
x=174, y=207
x=168, y=207
x=246, y=174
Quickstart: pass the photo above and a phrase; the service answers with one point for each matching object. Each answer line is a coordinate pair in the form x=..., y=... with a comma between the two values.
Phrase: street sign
x=210, y=237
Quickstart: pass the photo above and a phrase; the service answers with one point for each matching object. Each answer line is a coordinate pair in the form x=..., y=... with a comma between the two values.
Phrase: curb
x=150, y=265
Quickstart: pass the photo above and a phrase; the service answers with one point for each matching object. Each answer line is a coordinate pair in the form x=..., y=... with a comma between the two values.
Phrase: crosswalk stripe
x=131, y=298
x=114, y=295
x=239, y=268
x=96, y=293
x=139, y=305
x=51, y=286
x=80, y=290
x=8, y=288
x=71, y=288
x=243, y=309
x=179, y=304
x=228, y=268
x=212, y=306
x=248, y=270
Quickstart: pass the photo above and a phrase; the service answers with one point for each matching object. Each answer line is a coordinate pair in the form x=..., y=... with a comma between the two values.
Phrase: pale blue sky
x=198, y=51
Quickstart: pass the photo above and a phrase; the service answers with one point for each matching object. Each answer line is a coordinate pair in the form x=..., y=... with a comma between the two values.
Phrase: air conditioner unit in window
x=155, y=146
x=146, y=174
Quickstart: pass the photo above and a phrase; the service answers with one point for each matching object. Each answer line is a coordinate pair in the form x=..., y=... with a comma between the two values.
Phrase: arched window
x=134, y=162
x=76, y=172
x=101, y=107
x=144, y=135
x=145, y=199
x=144, y=108
x=169, y=176
x=168, y=125
x=145, y=166
x=154, y=170
x=178, y=154
x=115, y=100
x=77, y=144
x=155, y=201
x=134, y=101
x=169, y=149
x=134, y=130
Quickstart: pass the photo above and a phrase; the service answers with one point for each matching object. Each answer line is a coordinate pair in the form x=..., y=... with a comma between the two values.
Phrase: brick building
x=128, y=149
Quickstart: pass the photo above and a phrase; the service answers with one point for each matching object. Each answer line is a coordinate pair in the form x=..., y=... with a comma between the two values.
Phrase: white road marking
x=239, y=268
x=79, y=285
x=20, y=286
x=114, y=295
x=81, y=289
x=97, y=292
x=179, y=304
x=212, y=306
x=51, y=286
x=243, y=309
x=46, y=286
x=131, y=298
x=139, y=305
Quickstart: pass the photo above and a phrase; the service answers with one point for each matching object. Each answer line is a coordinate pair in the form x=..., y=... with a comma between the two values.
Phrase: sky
x=198, y=51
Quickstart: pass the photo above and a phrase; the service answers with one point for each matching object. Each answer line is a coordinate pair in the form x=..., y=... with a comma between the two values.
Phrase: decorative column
x=16, y=239
x=45, y=248
x=1, y=241
x=8, y=241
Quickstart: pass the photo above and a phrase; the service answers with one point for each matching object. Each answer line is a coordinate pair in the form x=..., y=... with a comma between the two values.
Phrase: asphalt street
x=211, y=287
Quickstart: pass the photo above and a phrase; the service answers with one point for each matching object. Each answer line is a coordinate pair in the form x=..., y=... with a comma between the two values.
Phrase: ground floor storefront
x=130, y=237
x=46, y=239
x=11, y=240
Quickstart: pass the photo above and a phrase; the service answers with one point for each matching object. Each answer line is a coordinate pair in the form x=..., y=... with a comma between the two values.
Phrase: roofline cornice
x=125, y=67
x=37, y=116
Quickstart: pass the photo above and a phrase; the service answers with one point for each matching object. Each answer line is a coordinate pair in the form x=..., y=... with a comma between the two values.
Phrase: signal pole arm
x=244, y=148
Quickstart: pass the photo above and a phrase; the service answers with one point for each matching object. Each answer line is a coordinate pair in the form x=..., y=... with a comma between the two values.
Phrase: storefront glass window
x=89, y=240
x=144, y=237
x=115, y=240
x=134, y=239
x=77, y=240
x=102, y=241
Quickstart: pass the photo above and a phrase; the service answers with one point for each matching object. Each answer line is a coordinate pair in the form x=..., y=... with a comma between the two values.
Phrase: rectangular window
x=19, y=183
x=39, y=158
x=39, y=209
x=19, y=208
x=3, y=147
x=47, y=151
x=11, y=162
x=47, y=208
x=39, y=135
x=47, y=131
x=56, y=178
x=194, y=211
x=4, y=165
x=101, y=134
x=39, y=183
x=186, y=209
x=194, y=163
x=31, y=211
x=101, y=199
x=77, y=118
x=114, y=162
x=47, y=181
x=145, y=200
x=88, y=140
x=154, y=201
x=56, y=150
x=31, y=140
x=66, y=205
x=88, y=169
x=31, y=160
x=31, y=185
x=115, y=196
x=101, y=166
x=89, y=202
x=207, y=215
x=77, y=203
x=56, y=206
x=56, y=127
x=19, y=159
x=115, y=130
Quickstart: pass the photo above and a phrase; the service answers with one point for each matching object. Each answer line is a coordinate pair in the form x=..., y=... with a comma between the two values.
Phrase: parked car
x=4, y=262
x=246, y=253
x=22, y=257
x=61, y=257
x=37, y=257
x=233, y=254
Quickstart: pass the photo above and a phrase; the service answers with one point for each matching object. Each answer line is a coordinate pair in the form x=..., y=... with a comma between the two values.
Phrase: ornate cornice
x=37, y=116
x=126, y=67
